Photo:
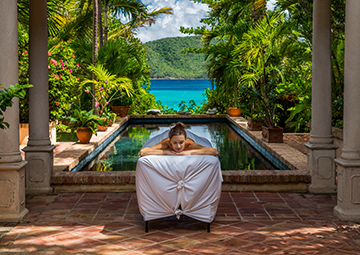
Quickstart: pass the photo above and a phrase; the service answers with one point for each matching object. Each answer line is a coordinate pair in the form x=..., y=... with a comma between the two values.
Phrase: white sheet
x=163, y=183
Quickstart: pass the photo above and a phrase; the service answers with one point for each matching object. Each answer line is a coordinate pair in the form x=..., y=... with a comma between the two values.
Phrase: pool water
x=234, y=152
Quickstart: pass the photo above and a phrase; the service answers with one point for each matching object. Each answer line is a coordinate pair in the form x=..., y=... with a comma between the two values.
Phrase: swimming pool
x=236, y=151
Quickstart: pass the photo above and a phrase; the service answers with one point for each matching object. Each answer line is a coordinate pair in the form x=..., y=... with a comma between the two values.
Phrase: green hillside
x=167, y=59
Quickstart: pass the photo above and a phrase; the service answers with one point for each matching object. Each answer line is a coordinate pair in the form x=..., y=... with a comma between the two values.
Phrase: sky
x=186, y=14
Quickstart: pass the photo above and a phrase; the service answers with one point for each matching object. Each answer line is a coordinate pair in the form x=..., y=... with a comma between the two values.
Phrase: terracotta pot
x=102, y=128
x=84, y=134
x=120, y=111
x=272, y=135
x=254, y=125
x=110, y=123
x=233, y=111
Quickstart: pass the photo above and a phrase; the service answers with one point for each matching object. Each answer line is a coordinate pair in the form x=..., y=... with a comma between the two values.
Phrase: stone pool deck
x=68, y=155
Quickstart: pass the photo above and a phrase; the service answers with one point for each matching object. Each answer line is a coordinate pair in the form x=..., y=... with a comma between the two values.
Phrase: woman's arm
x=197, y=149
x=159, y=149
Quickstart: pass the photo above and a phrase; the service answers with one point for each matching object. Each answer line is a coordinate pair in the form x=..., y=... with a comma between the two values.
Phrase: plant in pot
x=109, y=116
x=107, y=87
x=231, y=85
x=85, y=124
x=121, y=105
x=266, y=106
x=250, y=112
x=262, y=56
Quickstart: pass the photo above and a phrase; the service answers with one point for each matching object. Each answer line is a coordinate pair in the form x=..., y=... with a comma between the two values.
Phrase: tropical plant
x=83, y=118
x=260, y=59
x=108, y=87
x=6, y=97
x=191, y=107
x=109, y=116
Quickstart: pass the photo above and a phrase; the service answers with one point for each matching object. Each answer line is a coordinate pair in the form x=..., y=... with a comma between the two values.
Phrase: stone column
x=12, y=167
x=321, y=150
x=39, y=151
x=348, y=199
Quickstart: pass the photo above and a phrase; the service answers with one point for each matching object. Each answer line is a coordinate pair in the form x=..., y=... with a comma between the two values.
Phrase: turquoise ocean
x=172, y=91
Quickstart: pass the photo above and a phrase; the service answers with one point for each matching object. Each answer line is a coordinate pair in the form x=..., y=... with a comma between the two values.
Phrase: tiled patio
x=252, y=222
x=246, y=223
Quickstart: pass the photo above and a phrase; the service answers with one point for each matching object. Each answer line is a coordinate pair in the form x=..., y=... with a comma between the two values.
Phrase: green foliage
x=167, y=58
x=63, y=81
x=191, y=107
x=6, y=97
x=82, y=118
x=143, y=101
x=108, y=87
x=215, y=99
x=126, y=58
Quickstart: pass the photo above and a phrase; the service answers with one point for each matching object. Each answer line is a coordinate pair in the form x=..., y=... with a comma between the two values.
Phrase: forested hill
x=167, y=59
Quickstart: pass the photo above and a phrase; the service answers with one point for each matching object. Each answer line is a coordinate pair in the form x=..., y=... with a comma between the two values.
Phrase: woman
x=178, y=144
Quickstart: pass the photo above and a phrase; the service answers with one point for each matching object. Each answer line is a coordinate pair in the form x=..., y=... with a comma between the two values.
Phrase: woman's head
x=177, y=136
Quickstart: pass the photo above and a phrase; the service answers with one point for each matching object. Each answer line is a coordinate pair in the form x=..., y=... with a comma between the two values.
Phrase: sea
x=172, y=91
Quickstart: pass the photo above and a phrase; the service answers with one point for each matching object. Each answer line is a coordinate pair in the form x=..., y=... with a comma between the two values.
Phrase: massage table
x=169, y=185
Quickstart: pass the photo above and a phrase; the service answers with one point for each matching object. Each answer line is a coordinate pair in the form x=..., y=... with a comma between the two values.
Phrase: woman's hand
x=183, y=153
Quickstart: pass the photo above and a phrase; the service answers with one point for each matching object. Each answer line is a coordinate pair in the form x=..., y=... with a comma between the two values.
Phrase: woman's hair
x=178, y=129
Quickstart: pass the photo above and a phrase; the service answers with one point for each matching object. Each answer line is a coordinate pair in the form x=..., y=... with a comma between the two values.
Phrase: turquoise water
x=172, y=91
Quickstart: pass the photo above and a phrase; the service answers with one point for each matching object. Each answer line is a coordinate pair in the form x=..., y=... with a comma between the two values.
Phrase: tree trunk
x=105, y=24
x=95, y=42
x=101, y=40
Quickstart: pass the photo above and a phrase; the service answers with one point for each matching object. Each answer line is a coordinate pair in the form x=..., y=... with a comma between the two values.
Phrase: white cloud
x=271, y=4
x=186, y=14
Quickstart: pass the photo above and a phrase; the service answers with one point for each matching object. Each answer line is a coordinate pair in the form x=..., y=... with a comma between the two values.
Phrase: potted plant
x=108, y=87
x=109, y=116
x=85, y=124
x=121, y=105
x=262, y=55
x=266, y=105
x=234, y=110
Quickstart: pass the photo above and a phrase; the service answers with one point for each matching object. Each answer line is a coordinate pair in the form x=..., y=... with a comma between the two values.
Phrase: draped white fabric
x=176, y=185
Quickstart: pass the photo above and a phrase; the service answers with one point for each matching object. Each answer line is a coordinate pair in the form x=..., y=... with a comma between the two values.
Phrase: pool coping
x=295, y=179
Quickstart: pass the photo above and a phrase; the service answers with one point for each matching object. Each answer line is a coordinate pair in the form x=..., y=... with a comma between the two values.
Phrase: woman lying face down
x=178, y=144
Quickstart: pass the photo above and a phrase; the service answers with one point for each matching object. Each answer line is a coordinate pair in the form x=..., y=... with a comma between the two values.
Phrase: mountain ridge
x=168, y=61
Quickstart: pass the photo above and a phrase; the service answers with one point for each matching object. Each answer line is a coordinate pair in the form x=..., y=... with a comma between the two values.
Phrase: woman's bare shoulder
x=164, y=143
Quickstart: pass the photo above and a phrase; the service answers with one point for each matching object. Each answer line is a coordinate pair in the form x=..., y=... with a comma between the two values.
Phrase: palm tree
x=129, y=8
x=95, y=44
x=134, y=10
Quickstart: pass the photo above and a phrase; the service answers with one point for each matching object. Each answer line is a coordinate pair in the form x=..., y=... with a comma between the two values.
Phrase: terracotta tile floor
x=246, y=223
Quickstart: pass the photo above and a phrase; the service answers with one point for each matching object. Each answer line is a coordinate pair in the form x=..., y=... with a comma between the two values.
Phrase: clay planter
x=110, y=122
x=84, y=134
x=254, y=125
x=120, y=111
x=102, y=128
x=272, y=135
x=233, y=111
